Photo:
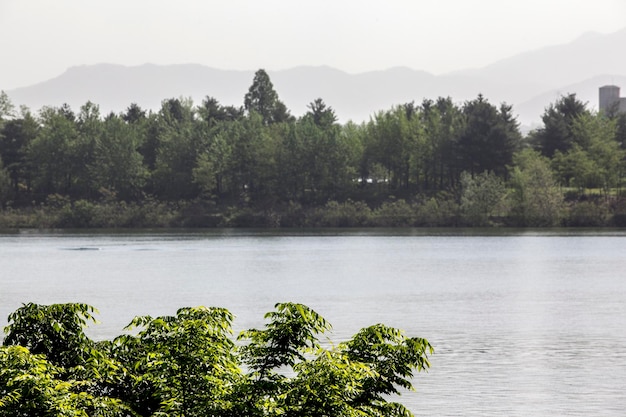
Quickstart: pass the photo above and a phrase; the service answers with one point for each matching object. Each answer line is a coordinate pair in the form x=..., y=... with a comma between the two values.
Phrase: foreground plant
x=188, y=365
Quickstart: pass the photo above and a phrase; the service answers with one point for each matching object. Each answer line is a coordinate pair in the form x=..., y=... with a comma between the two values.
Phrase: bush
x=395, y=214
x=347, y=214
x=80, y=214
x=588, y=214
x=438, y=211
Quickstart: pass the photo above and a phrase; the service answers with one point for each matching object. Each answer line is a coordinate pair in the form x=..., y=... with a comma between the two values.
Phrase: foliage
x=347, y=214
x=395, y=214
x=439, y=210
x=490, y=138
x=188, y=365
x=480, y=197
x=215, y=165
x=596, y=159
x=557, y=133
x=188, y=360
x=262, y=99
x=5, y=185
x=30, y=386
x=537, y=200
x=7, y=108
x=588, y=214
x=48, y=366
x=56, y=331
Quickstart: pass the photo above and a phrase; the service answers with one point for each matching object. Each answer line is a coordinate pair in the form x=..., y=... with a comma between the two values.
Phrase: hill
x=529, y=81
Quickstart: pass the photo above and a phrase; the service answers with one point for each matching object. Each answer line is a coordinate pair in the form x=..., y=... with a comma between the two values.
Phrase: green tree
x=219, y=132
x=212, y=166
x=15, y=139
x=134, y=114
x=188, y=359
x=321, y=114
x=7, y=109
x=490, y=137
x=178, y=146
x=292, y=165
x=213, y=113
x=117, y=164
x=558, y=120
x=319, y=159
x=620, y=137
x=536, y=199
x=355, y=378
x=480, y=196
x=48, y=367
x=29, y=386
x=52, y=154
x=392, y=359
x=188, y=365
x=443, y=123
x=393, y=137
x=574, y=168
x=56, y=331
x=89, y=125
x=252, y=173
x=598, y=136
x=5, y=185
x=263, y=99
x=595, y=159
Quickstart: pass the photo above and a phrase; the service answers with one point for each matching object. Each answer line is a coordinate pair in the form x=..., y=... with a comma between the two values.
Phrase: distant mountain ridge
x=529, y=81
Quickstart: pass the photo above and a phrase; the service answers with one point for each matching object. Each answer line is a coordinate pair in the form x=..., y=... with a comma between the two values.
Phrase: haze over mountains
x=528, y=81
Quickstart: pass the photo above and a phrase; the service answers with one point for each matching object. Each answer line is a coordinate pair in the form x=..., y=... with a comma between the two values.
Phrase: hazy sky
x=39, y=39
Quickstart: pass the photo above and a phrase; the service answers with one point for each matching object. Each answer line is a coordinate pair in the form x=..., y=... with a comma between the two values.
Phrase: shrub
x=395, y=214
x=347, y=214
x=588, y=214
x=438, y=211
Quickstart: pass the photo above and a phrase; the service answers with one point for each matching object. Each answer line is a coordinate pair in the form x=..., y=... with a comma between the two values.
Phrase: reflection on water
x=523, y=323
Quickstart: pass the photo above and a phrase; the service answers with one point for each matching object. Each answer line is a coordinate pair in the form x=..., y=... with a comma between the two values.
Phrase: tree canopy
x=189, y=365
x=210, y=164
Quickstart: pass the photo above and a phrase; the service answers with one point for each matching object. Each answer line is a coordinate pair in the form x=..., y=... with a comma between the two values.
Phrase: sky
x=40, y=39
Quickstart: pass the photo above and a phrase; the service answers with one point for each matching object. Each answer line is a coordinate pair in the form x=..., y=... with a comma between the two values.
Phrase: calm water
x=524, y=324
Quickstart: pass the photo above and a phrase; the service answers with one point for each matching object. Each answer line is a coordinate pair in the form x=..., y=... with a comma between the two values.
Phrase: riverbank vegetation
x=437, y=163
x=189, y=365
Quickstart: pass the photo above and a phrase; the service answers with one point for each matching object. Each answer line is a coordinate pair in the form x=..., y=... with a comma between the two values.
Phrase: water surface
x=523, y=323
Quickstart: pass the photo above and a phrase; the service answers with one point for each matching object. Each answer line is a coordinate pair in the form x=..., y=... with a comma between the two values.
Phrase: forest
x=189, y=365
x=436, y=163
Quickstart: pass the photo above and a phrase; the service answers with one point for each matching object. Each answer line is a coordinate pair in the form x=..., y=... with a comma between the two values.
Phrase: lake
x=524, y=323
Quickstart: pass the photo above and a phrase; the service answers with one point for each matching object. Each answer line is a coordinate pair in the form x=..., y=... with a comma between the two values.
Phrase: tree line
x=189, y=365
x=433, y=163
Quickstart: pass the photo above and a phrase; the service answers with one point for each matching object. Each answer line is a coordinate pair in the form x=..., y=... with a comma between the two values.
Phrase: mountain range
x=529, y=82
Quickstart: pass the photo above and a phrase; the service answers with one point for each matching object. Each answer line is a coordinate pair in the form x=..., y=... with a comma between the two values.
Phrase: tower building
x=610, y=99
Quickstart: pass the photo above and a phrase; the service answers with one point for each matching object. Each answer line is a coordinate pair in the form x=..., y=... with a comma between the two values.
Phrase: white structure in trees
x=610, y=99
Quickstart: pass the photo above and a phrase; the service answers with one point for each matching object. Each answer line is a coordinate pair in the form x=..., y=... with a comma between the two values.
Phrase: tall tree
x=443, y=123
x=392, y=139
x=480, y=196
x=263, y=99
x=537, y=199
x=15, y=139
x=134, y=114
x=322, y=115
x=117, y=166
x=178, y=145
x=490, y=137
x=5, y=186
x=558, y=121
x=212, y=112
x=7, y=109
x=52, y=154
x=596, y=158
